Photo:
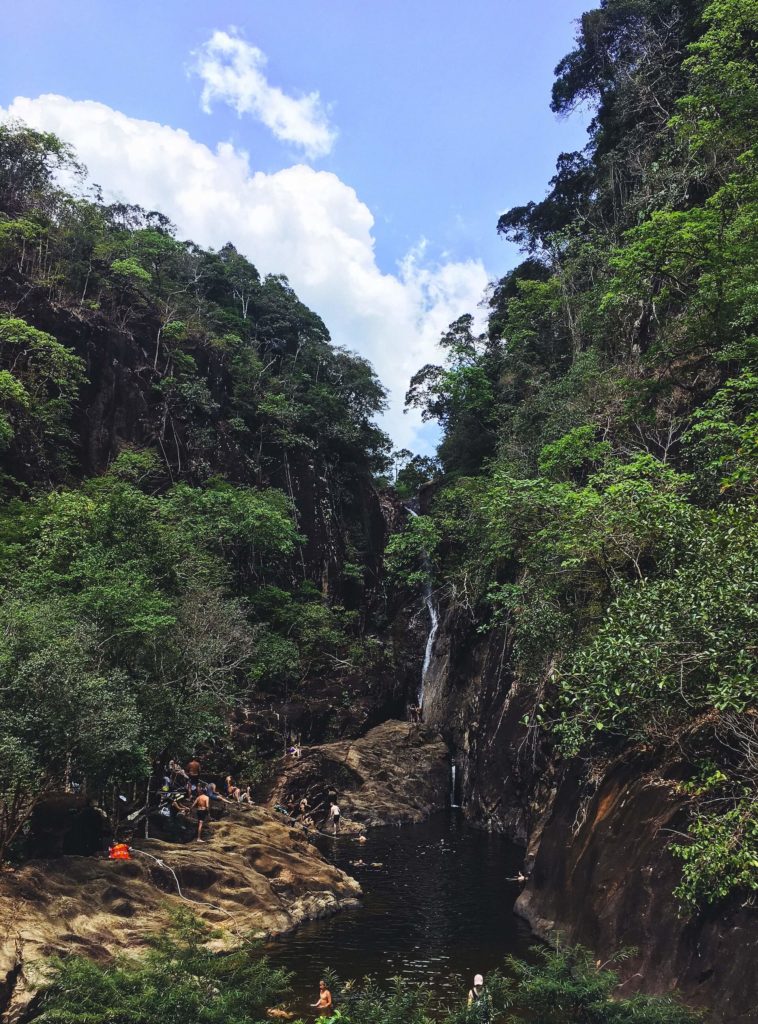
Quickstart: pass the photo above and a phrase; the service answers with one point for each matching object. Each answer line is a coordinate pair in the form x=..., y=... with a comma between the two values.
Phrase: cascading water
x=433, y=624
x=453, y=790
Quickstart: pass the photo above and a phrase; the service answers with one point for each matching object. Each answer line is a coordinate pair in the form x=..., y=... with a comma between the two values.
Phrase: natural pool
x=438, y=911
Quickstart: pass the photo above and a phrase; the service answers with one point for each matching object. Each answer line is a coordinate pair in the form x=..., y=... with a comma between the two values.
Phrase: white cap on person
x=478, y=980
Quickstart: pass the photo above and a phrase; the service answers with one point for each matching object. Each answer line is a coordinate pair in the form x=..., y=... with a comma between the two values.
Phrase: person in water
x=324, y=1003
x=479, y=1001
x=334, y=816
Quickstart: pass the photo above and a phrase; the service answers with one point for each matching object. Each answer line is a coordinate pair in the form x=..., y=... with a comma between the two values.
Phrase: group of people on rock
x=202, y=794
x=302, y=812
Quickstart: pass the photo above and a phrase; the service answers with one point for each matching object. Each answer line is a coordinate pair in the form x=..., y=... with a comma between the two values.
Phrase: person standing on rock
x=193, y=774
x=202, y=808
x=334, y=816
x=324, y=1003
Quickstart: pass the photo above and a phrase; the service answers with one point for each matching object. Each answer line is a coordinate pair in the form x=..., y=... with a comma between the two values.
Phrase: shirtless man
x=201, y=807
x=334, y=816
x=193, y=775
x=324, y=1003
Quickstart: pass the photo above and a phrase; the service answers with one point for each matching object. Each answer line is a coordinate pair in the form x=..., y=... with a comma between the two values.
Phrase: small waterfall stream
x=434, y=623
x=453, y=787
x=434, y=626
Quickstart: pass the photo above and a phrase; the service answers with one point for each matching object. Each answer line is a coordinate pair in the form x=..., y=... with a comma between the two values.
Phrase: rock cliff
x=397, y=773
x=599, y=870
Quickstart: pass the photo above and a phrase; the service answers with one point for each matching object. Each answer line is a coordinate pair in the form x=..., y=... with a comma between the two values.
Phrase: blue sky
x=430, y=119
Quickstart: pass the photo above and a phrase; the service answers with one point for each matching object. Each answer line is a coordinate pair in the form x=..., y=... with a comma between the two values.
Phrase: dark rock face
x=472, y=697
x=603, y=876
x=599, y=869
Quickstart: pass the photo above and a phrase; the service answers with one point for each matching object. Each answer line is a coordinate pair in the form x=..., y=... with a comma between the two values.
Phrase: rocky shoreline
x=255, y=877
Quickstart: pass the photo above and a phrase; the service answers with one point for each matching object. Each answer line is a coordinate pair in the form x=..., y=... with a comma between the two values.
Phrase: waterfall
x=433, y=623
x=434, y=626
x=453, y=793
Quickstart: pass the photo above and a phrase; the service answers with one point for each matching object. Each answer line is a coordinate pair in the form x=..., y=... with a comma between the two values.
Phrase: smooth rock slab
x=253, y=876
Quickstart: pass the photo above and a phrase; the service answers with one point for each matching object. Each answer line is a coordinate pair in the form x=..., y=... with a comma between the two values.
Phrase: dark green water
x=439, y=911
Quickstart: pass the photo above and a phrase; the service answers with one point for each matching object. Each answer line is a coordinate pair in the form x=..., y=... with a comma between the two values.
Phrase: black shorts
x=201, y=814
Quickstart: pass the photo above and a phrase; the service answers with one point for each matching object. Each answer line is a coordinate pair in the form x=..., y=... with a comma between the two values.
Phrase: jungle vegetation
x=186, y=460
x=181, y=978
x=600, y=437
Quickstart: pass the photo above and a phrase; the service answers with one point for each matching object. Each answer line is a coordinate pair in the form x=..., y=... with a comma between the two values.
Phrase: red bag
x=119, y=851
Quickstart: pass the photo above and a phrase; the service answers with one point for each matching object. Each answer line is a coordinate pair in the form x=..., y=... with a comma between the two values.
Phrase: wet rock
x=254, y=875
x=396, y=773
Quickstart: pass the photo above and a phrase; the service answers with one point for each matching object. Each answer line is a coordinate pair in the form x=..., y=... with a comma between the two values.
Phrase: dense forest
x=199, y=515
x=188, y=513
x=596, y=491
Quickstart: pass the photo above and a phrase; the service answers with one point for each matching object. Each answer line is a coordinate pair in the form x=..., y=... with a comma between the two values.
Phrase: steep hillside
x=189, y=527
x=591, y=538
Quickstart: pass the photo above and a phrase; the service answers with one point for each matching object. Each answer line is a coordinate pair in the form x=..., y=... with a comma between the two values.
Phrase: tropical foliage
x=187, y=463
x=181, y=979
x=599, y=440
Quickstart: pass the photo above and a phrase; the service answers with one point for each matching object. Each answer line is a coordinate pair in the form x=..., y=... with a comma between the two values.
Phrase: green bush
x=180, y=980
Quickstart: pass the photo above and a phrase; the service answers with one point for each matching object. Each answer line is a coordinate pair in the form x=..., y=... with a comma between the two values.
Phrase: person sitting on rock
x=202, y=808
x=214, y=794
x=232, y=789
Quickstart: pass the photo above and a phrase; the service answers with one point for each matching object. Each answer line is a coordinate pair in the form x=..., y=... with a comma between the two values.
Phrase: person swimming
x=324, y=1003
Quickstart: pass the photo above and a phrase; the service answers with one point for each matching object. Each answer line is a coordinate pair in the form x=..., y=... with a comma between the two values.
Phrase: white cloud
x=304, y=223
x=232, y=73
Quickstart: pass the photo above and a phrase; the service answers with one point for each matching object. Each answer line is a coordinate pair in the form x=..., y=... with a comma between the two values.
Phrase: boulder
x=396, y=773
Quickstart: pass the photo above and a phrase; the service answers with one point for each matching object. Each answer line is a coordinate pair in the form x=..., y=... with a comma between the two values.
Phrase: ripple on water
x=438, y=911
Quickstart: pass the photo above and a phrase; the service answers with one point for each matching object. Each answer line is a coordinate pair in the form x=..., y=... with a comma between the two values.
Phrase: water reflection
x=438, y=910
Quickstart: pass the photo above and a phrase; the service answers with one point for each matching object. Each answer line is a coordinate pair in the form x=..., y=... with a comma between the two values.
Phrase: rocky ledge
x=254, y=875
x=396, y=773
